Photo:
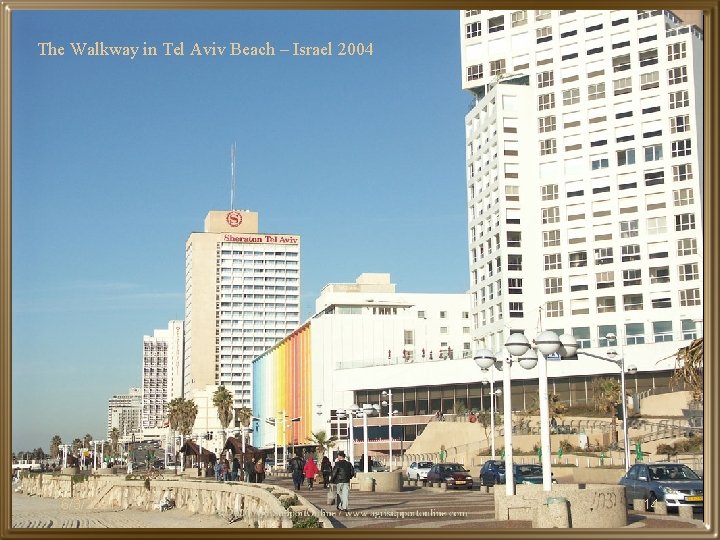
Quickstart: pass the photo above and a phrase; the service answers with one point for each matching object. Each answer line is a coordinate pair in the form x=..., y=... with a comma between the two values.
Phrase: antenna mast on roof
x=232, y=174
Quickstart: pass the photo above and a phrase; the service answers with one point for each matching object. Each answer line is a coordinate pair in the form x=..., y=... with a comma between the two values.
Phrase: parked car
x=674, y=483
x=529, y=474
x=375, y=466
x=492, y=472
x=418, y=470
x=454, y=474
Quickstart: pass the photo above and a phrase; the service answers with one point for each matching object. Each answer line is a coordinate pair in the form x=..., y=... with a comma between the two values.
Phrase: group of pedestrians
x=252, y=471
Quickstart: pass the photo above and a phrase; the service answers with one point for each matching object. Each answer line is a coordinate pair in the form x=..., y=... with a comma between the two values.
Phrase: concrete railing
x=255, y=504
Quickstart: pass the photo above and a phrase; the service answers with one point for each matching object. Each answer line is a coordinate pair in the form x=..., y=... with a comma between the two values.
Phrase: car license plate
x=694, y=498
x=459, y=481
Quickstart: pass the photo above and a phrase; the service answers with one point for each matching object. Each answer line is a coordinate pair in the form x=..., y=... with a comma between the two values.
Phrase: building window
x=681, y=148
x=542, y=14
x=519, y=18
x=544, y=34
x=653, y=152
x=474, y=72
x=582, y=335
x=553, y=261
x=651, y=80
x=546, y=101
x=578, y=259
x=629, y=229
x=516, y=309
x=684, y=222
x=680, y=124
x=515, y=263
x=621, y=63
x=473, y=30
x=635, y=332
x=631, y=252
x=622, y=86
x=690, y=297
x=686, y=246
x=657, y=225
x=551, y=238
x=496, y=24
x=497, y=67
x=571, y=96
x=605, y=304
x=604, y=280
x=550, y=192
x=515, y=286
x=548, y=146
x=676, y=51
x=626, y=157
x=545, y=78
x=677, y=75
x=546, y=123
x=599, y=162
x=554, y=308
x=421, y=314
x=683, y=197
x=648, y=57
x=661, y=303
x=688, y=272
x=654, y=178
x=682, y=172
x=632, y=302
x=662, y=331
x=659, y=274
x=553, y=285
x=679, y=99
x=551, y=215
x=603, y=255
x=632, y=277
x=596, y=91
x=514, y=239
x=512, y=193
x=688, y=329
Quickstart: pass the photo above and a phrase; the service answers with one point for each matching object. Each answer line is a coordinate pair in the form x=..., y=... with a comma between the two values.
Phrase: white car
x=418, y=470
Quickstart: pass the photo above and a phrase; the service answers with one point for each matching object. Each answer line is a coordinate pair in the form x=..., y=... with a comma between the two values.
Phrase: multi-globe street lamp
x=366, y=410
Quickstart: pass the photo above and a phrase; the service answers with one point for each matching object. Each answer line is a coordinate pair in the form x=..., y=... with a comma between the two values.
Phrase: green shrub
x=305, y=522
x=292, y=501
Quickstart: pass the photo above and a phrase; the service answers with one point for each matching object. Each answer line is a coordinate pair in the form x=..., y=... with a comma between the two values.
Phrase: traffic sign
x=553, y=356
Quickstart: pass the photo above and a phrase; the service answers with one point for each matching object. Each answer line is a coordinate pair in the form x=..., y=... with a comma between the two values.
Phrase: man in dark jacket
x=341, y=475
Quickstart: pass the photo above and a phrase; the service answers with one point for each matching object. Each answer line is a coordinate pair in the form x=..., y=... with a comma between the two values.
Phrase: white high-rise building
x=124, y=413
x=584, y=177
x=162, y=358
x=242, y=295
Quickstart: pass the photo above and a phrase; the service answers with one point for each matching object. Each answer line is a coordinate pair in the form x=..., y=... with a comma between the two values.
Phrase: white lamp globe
x=548, y=342
x=569, y=345
x=528, y=360
x=517, y=344
x=484, y=358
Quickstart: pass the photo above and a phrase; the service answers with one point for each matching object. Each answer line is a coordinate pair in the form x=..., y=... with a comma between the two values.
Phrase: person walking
x=216, y=468
x=249, y=469
x=259, y=471
x=311, y=470
x=341, y=475
x=326, y=469
x=235, y=469
x=296, y=467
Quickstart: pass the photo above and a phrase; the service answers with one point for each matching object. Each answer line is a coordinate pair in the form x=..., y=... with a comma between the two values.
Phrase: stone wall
x=259, y=505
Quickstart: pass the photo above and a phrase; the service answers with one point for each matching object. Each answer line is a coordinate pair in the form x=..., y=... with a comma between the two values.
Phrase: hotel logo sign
x=234, y=218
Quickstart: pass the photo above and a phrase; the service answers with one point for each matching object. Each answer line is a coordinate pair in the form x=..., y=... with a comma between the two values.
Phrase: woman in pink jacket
x=310, y=470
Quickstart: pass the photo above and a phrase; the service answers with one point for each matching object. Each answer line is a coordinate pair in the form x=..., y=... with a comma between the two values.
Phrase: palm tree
x=76, y=445
x=223, y=401
x=607, y=397
x=55, y=443
x=114, y=438
x=86, y=440
x=689, y=369
x=181, y=417
x=323, y=443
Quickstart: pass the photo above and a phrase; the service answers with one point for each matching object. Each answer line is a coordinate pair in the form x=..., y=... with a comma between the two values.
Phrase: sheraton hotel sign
x=262, y=238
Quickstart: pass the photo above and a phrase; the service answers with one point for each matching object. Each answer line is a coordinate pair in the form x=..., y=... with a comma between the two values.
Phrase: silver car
x=418, y=470
x=673, y=483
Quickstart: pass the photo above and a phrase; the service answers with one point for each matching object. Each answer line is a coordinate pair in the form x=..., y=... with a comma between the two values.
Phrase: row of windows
x=622, y=86
x=652, y=152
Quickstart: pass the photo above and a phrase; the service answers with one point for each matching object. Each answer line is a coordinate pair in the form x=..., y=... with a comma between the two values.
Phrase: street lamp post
x=546, y=343
x=347, y=414
x=493, y=393
x=388, y=395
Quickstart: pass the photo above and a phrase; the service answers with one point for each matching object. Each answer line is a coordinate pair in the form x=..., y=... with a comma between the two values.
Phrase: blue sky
x=116, y=161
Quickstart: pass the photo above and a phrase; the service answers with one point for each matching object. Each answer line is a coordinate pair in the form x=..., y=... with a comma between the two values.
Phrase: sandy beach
x=38, y=512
